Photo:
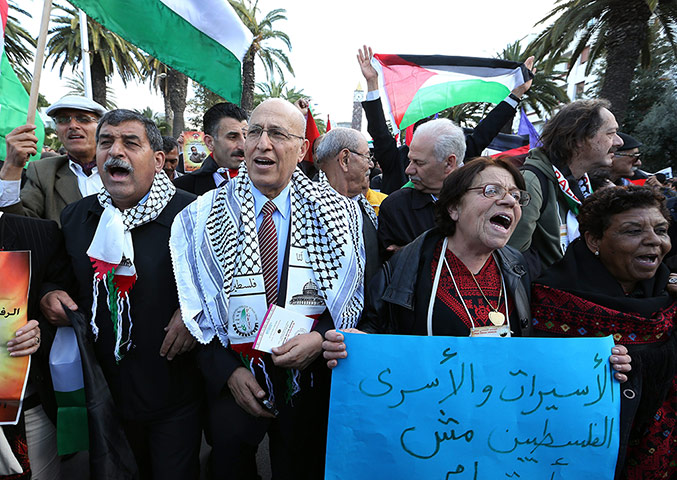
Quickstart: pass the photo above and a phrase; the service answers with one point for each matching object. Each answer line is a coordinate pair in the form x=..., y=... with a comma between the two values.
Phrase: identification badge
x=502, y=331
x=563, y=237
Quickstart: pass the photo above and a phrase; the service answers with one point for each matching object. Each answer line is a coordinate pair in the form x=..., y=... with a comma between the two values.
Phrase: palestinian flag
x=13, y=96
x=417, y=86
x=204, y=39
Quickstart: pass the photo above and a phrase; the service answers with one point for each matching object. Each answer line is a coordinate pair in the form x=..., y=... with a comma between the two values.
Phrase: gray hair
x=116, y=117
x=336, y=140
x=449, y=139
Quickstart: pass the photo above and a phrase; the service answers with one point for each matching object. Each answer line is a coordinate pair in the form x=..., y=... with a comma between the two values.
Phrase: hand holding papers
x=280, y=326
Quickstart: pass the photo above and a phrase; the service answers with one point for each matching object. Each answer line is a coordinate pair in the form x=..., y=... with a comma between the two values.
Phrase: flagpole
x=84, y=44
x=39, y=55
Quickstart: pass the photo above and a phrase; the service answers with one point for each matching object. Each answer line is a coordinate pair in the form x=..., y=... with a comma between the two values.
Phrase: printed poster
x=195, y=150
x=15, y=277
x=445, y=408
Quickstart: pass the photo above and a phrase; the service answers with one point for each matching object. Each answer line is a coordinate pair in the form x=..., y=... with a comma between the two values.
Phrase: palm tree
x=269, y=56
x=547, y=91
x=275, y=89
x=76, y=86
x=19, y=44
x=108, y=51
x=616, y=30
x=174, y=88
x=158, y=119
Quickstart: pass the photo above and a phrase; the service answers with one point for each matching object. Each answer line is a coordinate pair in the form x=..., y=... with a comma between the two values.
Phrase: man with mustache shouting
x=117, y=242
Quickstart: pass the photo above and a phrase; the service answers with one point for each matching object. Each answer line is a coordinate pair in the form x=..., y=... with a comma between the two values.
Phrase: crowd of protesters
x=165, y=275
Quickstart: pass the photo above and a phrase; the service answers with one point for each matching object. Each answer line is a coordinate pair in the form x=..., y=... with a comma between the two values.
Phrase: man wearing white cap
x=52, y=183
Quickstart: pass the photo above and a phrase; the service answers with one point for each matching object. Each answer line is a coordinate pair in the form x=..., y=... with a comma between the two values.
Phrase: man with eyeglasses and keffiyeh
x=269, y=237
x=52, y=183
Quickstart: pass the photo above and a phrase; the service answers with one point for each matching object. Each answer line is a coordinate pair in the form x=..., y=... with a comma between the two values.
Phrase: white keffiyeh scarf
x=112, y=254
x=214, y=240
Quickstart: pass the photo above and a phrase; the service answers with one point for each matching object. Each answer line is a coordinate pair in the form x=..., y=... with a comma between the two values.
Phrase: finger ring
x=672, y=280
x=37, y=340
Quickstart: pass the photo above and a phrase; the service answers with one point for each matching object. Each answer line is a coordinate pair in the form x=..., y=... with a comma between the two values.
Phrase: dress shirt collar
x=282, y=201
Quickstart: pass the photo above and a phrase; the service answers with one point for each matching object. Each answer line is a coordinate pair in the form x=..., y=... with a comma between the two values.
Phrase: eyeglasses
x=624, y=154
x=498, y=192
x=81, y=119
x=368, y=156
x=275, y=134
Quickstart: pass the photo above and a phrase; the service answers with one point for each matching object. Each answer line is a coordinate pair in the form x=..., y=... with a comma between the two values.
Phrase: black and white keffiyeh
x=214, y=239
x=112, y=253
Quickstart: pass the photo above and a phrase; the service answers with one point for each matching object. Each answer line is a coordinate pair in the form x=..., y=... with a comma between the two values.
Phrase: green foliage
x=76, y=86
x=547, y=92
x=157, y=118
x=657, y=130
x=19, y=44
x=650, y=117
x=109, y=53
x=275, y=89
x=263, y=31
x=200, y=103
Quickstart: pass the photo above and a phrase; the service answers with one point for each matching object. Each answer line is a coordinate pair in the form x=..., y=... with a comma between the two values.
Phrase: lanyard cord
x=436, y=283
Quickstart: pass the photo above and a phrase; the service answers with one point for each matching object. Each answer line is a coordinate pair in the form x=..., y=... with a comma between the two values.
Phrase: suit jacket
x=50, y=270
x=394, y=160
x=372, y=259
x=201, y=180
x=404, y=215
x=50, y=186
x=144, y=385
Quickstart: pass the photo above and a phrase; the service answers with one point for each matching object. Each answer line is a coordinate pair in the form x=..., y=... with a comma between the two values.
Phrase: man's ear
x=304, y=149
x=450, y=164
x=344, y=159
x=209, y=141
x=592, y=242
x=159, y=161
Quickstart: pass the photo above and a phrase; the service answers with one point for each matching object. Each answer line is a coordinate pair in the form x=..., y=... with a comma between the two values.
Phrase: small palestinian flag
x=417, y=86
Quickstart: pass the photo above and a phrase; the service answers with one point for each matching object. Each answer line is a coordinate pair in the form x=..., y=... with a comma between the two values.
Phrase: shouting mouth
x=117, y=169
x=501, y=221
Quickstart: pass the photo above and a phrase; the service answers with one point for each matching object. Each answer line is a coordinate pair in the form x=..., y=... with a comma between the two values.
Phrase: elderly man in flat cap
x=54, y=182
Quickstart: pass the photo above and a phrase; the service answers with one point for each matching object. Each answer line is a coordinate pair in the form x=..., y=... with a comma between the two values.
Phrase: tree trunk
x=628, y=25
x=248, y=81
x=177, y=91
x=169, y=113
x=98, y=80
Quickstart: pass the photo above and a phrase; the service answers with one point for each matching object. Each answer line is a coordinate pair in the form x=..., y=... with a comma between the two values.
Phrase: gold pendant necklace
x=495, y=317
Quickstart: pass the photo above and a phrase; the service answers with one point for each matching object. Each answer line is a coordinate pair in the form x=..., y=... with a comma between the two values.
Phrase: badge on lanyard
x=502, y=331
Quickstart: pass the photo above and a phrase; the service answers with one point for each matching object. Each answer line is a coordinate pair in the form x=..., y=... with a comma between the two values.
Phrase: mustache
x=237, y=153
x=117, y=163
x=414, y=178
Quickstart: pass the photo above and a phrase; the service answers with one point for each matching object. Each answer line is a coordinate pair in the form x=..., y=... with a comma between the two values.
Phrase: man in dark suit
x=345, y=159
x=393, y=160
x=274, y=238
x=225, y=127
x=54, y=182
x=437, y=149
x=117, y=243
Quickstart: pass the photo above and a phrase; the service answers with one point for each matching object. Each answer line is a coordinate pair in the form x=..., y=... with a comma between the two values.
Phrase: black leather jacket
x=391, y=305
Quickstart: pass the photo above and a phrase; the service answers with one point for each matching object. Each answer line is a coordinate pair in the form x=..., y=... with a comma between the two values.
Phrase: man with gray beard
x=117, y=242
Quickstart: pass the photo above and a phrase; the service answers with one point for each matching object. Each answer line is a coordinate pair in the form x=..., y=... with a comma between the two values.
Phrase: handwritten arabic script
x=473, y=408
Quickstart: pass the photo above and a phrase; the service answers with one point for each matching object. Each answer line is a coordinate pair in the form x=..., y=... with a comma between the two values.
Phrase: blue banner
x=406, y=407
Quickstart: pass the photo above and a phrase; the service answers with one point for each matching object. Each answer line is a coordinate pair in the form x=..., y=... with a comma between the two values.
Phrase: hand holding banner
x=473, y=408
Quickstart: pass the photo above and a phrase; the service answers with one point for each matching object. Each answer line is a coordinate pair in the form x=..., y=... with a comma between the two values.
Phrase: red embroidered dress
x=448, y=303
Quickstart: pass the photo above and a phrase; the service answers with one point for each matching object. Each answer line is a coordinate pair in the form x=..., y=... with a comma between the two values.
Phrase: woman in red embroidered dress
x=611, y=282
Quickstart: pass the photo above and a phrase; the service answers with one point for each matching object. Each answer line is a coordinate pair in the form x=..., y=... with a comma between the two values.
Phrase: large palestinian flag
x=417, y=86
x=204, y=39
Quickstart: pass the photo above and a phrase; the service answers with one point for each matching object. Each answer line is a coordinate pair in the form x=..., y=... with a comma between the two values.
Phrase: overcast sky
x=325, y=38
